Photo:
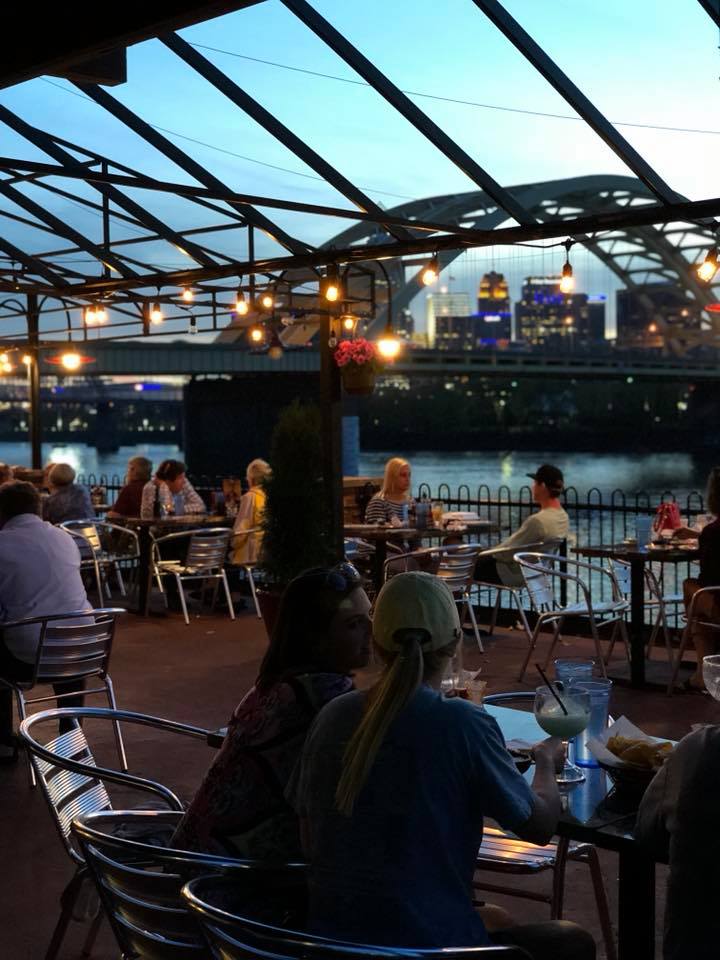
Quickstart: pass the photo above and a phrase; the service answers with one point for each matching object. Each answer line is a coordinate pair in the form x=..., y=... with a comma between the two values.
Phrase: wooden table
x=587, y=819
x=379, y=534
x=159, y=527
x=637, y=557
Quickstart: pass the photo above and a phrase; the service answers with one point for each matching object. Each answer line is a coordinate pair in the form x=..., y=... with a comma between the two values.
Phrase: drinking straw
x=553, y=691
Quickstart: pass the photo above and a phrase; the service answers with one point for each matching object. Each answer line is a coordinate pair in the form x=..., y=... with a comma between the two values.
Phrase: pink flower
x=358, y=352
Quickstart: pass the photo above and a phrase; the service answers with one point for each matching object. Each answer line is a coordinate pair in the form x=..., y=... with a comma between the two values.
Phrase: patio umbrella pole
x=331, y=422
x=33, y=328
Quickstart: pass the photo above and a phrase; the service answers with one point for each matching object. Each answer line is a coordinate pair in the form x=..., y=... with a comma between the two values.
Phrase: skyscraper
x=545, y=316
x=494, y=319
x=444, y=304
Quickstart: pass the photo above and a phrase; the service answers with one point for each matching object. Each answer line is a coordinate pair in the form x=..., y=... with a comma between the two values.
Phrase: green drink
x=557, y=724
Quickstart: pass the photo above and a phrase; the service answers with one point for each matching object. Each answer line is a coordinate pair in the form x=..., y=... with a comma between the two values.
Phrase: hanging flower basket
x=359, y=365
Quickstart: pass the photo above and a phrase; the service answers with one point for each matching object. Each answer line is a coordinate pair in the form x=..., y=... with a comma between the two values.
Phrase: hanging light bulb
x=71, y=360
x=349, y=322
x=567, y=280
x=275, y=351
x=242, y=307
x=193, y=325
x=6, y=367
x=266, y=301
x=90, y=315
x=100, y=314
x=256, y=334
x=709, y=267
x=430, y=272
x=156, y=314
x=330, y=286
x=389, y=344
x=27, y=359
x=187, y=295
x=3, y=358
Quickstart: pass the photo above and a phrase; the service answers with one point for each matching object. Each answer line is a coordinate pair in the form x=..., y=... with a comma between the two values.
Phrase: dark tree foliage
x=297, y=519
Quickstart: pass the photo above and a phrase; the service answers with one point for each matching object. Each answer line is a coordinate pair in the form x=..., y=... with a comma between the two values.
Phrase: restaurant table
x=162, y=526
x=586, y=818
x=379, y=534
x=637, y=557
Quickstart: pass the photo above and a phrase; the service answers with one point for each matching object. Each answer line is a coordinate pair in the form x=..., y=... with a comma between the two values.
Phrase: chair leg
x=603, y=908
x=110, y=693
x=92, y=933
x=613, y=638
x=553, y=643
x=496, y=610
x=251, y=581
x=625, y=640
x=659, y=620
x=20, y=699
x=598, y=650
x=678, y=660
x=517, y=597
x=558, y=891
x=99, y=585
x=183, y=602
x=531, y=647
x=67, y=902
x=119, y=577
x=473, y=621
x=228, y=597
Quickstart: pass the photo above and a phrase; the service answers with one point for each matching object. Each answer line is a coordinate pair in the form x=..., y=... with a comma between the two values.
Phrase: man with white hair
x=67, y=500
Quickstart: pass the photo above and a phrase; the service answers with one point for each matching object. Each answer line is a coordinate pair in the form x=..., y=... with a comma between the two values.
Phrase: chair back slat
x=622, y=572
x=539, y=583
x=457, y=567
x=80, y=649
x=90, y=800
x=207, y=551
x=85, y=529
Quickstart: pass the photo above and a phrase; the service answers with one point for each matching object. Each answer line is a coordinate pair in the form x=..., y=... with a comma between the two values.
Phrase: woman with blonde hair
x=246, y=546
x=393, y=786
x=394, y=499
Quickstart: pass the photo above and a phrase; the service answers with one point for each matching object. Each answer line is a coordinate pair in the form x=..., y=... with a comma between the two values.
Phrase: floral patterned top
x=240, y=809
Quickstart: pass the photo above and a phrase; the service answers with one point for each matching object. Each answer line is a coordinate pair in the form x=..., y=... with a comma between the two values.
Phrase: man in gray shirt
x=549, y=523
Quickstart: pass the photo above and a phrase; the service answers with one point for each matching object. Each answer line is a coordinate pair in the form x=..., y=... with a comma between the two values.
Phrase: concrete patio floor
x=197, y=674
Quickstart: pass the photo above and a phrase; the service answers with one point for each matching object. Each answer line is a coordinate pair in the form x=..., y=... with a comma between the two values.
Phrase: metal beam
x=712, y=9
x=186, y=163
x=45, y=143
x=547, y=67
x=64, y=229
x=269, y=122
x=591, y=223
x=36, y=266
x=404, y=105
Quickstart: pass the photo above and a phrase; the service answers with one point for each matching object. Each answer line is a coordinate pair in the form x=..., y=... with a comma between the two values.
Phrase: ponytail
x=396, y=687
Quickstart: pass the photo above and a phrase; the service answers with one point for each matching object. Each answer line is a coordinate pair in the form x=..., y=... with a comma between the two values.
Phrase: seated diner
x=246, y=546
x=170, y=492
x=129, y=500
x=67, y=500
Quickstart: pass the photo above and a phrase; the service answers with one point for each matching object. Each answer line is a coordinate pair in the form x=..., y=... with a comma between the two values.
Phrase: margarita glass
x=557, y=723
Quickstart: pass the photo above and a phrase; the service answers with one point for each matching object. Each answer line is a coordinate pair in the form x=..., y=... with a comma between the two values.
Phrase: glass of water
x=711, y=675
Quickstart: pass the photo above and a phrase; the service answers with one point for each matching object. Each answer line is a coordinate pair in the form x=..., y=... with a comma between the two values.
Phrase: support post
x=331, y=425
x=33, y=328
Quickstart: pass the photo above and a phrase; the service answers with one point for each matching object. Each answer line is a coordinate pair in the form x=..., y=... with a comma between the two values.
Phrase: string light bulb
x=100, y=314
x=193, y=325
x=187, y=295
x=389, y=344
x=6, y=367
x=156, y=314
x=275, y=351
x=256, y=334
x=71, y=360
x=27, y=359
x=90, y=315
x=709, y=267
x=430, y=272
x=567, y=280
x=242, y=307
x=349, y=322
x=3, y=358
x=266, y=301
x=330, y=286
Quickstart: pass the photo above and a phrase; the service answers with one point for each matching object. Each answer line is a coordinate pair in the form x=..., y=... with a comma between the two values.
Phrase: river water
x=652, y=473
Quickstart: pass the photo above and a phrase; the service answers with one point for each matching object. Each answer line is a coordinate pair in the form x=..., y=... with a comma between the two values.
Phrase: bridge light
x=567, y=280
x=709, y=267
x=430, y=272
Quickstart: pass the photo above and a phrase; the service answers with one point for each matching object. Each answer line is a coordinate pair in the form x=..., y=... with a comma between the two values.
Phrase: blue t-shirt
x=398, y=872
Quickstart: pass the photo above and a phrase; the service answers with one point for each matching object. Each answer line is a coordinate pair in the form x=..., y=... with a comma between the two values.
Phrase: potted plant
x=359, y=365
x=296, y=526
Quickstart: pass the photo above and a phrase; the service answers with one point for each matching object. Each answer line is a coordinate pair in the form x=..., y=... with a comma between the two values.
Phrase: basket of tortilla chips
x=629, y=757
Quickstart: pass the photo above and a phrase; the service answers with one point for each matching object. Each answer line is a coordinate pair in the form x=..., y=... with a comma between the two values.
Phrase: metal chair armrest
x=702, y=590
x=29, y=621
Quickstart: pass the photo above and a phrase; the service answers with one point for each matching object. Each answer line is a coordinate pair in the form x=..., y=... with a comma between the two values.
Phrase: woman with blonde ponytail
x=393, y=786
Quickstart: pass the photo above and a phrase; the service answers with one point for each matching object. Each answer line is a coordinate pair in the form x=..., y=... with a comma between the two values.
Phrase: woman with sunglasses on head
x=393, y=786
x=322, y=634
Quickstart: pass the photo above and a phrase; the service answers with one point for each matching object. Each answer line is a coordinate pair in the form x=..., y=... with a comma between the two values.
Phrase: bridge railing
x=596, y=518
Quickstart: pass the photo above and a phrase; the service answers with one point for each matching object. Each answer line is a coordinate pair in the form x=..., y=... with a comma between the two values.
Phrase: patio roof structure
x=148, y=223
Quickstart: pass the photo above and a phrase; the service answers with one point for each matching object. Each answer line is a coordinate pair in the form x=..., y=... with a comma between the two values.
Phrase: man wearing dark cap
x=549, y=523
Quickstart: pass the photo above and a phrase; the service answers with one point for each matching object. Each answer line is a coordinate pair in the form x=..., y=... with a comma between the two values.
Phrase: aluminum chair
x=71, y=646
x=655, y=600
x=502, y=852
x=99, y=535
x=139, y=879
x=543, y=573
x=693, y=617
x=235, y=932
x=249, y=566
x=74, y=784
x=516, y=589
x=204, y=560
x=456, y=570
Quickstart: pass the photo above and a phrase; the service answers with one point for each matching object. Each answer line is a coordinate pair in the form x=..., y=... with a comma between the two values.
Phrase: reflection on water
x=86, y=459
x=654, y=473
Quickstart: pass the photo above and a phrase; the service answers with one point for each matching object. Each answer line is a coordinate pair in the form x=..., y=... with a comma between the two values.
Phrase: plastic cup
x=643, y=530
x=599, y=691
x=573, y=668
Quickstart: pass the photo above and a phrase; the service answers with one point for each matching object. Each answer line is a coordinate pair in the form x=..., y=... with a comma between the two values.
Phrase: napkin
x=624, y=728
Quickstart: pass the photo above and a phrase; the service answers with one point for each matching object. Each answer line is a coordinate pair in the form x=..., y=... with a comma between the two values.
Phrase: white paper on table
x=624, y=728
